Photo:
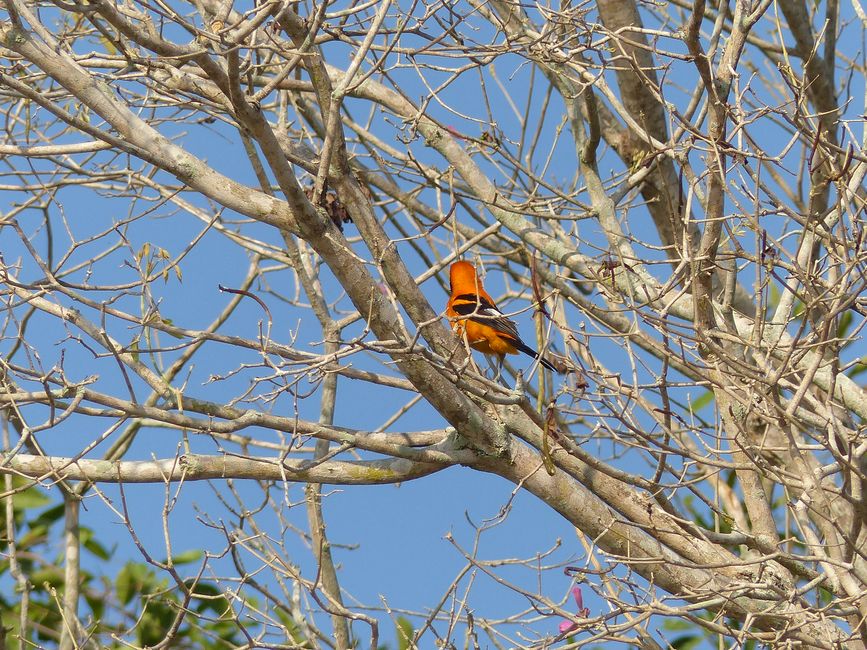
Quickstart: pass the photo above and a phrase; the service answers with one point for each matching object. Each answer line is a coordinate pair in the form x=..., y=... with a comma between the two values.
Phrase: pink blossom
x=567, y=626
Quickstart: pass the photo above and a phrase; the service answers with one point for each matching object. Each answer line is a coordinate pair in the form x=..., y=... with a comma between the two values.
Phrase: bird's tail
x=526, y=349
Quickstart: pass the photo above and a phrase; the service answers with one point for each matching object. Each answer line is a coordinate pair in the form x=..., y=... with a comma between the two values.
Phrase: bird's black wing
x=478, y=309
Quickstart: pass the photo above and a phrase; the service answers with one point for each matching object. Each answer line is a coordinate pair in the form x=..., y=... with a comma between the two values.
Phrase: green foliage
x=93, y=545
x=139, y=604
x=705, y=399
x=686, y=642
x=692, y=639
x=845, y=323
x=187, y=557
x=859, y=368
x=404, y=631
x=34, y=515
x=131, y=581
x=158, y=602
x=294, y=629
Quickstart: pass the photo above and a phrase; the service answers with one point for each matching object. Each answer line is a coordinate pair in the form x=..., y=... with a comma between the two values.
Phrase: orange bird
x=472, y=311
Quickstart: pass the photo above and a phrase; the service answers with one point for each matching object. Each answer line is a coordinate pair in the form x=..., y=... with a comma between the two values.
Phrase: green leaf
x=143, y=252
x=845, y=324
x=36, y=535
x=96, y=603
x=705, y=399
x=168, y=321
x=108, y=45
x=673, y=624
x=686, y=642
x=133, y=580
x=404, y=633
x=293, y=628
x=88, y=541
x=187, y=557
x=32, y=498
x=123, y=585
x=210, y=598
x=48, y=517
x=858, y=369
x=53, y=576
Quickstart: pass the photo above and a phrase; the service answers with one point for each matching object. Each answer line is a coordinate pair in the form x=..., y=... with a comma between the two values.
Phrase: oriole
x=472, y=311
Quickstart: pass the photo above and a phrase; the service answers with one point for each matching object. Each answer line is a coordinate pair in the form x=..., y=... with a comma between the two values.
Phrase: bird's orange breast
x=484, y=338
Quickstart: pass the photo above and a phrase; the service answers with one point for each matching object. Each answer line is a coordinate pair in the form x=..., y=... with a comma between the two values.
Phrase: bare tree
x=672, y=193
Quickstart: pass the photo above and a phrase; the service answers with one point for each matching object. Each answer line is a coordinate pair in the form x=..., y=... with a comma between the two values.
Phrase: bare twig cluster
x=672, y=193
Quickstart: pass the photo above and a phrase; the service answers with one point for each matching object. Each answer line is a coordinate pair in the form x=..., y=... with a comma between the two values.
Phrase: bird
x=473, y=314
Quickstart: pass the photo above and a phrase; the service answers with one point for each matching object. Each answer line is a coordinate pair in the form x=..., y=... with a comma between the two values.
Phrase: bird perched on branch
x=472, y=313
